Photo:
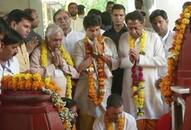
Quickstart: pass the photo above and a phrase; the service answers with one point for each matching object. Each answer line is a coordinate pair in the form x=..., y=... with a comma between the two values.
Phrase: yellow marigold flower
x=141, y=94
x=37, y=77
x=135, y=88
x=185, y=21
x=187, y=15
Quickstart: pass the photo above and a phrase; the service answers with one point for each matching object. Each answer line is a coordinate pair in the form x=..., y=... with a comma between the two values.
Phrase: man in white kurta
x=159, y=21
x=130, y=123
x=71, y=37
x=86, y=106
x=76, y=22
x=150, y=62
x=115, y=115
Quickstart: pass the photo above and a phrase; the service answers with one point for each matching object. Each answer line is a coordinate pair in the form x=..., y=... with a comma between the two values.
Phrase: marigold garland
x=67, y=57
x=95, y=96
x=168, y=80
x=120, y=124
x=138, y=79
x=27, y=82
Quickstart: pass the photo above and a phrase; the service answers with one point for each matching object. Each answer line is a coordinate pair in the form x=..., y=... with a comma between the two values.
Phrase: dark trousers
x=117, y=81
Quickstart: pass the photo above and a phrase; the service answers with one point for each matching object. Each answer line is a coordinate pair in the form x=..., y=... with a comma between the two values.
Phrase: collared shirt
x=9, y=67
x=114, y=35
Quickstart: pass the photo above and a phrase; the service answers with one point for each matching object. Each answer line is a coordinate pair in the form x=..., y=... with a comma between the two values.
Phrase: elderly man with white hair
x=51, y=59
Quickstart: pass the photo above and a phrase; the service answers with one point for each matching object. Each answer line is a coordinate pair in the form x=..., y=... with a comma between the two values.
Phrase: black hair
x=138, y=4
x=156, y=13
x=114, y=100
x=11, y=36
x=106, y=18
x=94, y=11
x=29, y=11
x=186, y=4
x=81, y=9
x=72, y=3
x=135, y=15
x=118, y=6
x=69, y=102
x=17, y=15
x=3, y=25
x=91, y=21
x=110, y=3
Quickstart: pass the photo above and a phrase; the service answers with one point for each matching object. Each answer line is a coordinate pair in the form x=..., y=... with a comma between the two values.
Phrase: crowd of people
x=115, y=63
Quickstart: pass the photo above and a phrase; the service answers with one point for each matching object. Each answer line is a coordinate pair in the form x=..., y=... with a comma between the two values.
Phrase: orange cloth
x=147, y=124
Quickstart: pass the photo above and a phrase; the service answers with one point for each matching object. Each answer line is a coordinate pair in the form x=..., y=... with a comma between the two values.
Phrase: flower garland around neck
x=96, y=96
x=67, y=58
x=137, y=77
x=169, y=79
x=120, y=123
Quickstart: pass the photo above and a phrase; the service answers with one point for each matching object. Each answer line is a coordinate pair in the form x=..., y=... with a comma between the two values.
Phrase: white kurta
x=77, y=24
x=154, y=58
x=71, y=39
x=9, y=67
x=81, y=93
x=167, y=44
x=130, y=123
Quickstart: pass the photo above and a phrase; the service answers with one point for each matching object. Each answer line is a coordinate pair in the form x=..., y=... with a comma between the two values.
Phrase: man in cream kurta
x=92, y=26
x=57, y=66
x=56, y=73
x=81, y=94
x=153, y=59
x=21, y=23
